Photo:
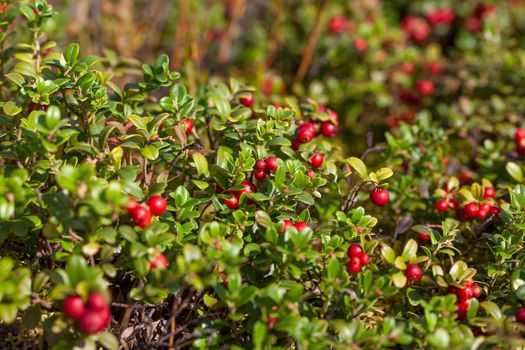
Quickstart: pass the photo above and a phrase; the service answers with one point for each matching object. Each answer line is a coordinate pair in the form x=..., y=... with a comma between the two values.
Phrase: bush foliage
x=162, y=214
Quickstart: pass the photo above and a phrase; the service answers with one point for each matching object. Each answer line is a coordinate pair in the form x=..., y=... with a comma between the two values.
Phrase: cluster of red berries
x=357, y=258
x=471, y=210
x=340, y=24
x=308, y=130
x=519, y=136
x=93, y=316
x=233, y=201
x=380, y=196
x=264, y=167
x=299, y=225
x=141, y=215
x=464, y=295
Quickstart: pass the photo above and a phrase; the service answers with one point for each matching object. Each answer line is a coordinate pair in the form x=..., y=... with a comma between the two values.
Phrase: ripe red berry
x=310, y=173
x=462, y=309
x=338, y=24
x=476, y=291
x=260, y=164
x=416, y=28
x=260, y=174
x=423, y=236
x=295, y=144
x=317, y=160
x=494, y=211
x=248, y=188
x=328, y=129
x=471, y=210
x=272, y=321
x=489, y=192
x=465, y=293
x=407, y=68
x=354, y=265
x=159, y=261
x=361, y=45
x=74, y=307
x=306, y=133
x=94, y=322
x=271, y=163
x=435, y=68
x=380, y=196
x=301, y=225
x=354, y=250
x=425, y=87
x=441, y=205
x=413, y=272
x=286, y=224
x=157, y=205
x=248, y=100
x=484, y=210
x=232, y=202
x=365, y=259
x=453, y=204
x=520, y=134
x=520, y=315
x=131, y=204
x=141, y=216
x=187, y=126
x=96, y=302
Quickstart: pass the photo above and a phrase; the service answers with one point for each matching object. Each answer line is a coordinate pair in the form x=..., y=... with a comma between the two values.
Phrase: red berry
x=484, y=210
x=131, y=204
x=471, y=210
x=355, y=250
x=74, y=307
x=494, y=211
x=328, y=129
x=365, y=259
x=435, y=68
x=476, y=291
x=380, y=196
x=272, y=321
x=425, y=87
x=354, y=265
x=301, y=225
x=159, y=261
x=248, y=100
x=338, y=24
x=317, y=160
x=305, y=134
x=310, y=173
x=413, y=272
x=260, y=174
x=453, y=204
x=489, y=192
x=157, y=205
x=187, y=126
x=423, y=236
x=520, y=315
x=520, y=134
x=93, y=322
x=271, y=163
x=462, y=309
x=96, y=302
x=260, y=164
x=361, y=45
x=416, y=28
x=248, y=188
x=441, y=205
x=232, y=202
x=286, y=225
x=465, y=293
x=141, y=216
x=407, y=68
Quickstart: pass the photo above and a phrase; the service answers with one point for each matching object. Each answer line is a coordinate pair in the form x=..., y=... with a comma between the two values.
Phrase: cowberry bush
x=141, y=215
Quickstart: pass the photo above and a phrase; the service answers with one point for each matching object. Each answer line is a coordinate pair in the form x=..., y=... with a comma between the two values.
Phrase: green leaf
x=514, y=170
x=150, y=152
x=11, y=109
x=71, y=54
x=399, y=279
x=388, y=253
x=492, y=309
x=201, y=164
x=384, y=173
x=410, y=250
x=358, y=165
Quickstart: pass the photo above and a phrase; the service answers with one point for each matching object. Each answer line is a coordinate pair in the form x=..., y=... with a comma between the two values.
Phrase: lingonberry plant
x=155, y=215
